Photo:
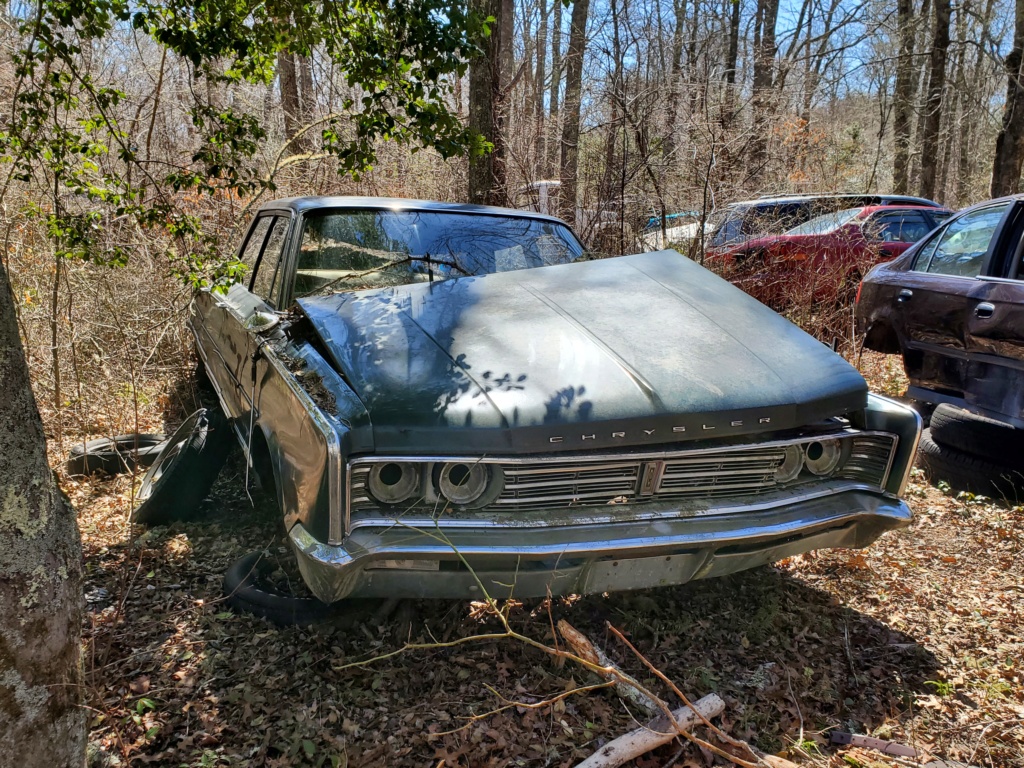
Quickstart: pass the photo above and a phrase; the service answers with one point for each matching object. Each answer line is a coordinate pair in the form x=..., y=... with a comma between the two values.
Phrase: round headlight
x=791, y=465
x=822, y=456
x=469, y=485
x=393, y=482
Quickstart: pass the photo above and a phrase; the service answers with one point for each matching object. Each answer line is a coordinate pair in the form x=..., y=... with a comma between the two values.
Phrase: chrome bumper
x=439, y=562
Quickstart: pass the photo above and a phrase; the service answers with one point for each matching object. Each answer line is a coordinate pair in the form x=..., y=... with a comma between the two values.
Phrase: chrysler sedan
x=455, y=401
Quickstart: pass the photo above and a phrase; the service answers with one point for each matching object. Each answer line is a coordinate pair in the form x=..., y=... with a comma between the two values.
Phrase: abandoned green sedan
x=455, y=401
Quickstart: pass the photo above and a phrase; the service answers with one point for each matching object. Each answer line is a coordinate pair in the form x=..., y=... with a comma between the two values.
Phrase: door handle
x=985, y=310
x=885, y=253
x=905, y=295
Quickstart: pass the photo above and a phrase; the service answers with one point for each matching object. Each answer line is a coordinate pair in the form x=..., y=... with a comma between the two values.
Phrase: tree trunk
x=556, y=85
x=540, y=149
x=307, y=97
x=571, y=119
x=489, y=76
x=933, y=107
x=41, y=721
x=675, y=77
x=764, y=95
x=290, y=103
x=1006, y=166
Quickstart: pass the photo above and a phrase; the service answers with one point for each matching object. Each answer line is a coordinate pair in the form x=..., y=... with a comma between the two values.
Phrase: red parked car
x=824, y=258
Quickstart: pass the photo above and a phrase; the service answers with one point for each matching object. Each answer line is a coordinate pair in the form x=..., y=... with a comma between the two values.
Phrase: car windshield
x=822, y=225
x=357, y=249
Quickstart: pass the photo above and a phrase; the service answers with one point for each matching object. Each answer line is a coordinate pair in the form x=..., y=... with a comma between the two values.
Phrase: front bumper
x=505, y=561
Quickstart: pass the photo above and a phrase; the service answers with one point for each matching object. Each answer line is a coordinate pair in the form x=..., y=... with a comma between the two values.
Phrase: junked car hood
x=629, y=351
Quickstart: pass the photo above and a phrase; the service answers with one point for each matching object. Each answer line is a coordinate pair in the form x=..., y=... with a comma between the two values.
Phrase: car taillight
x=856, y=299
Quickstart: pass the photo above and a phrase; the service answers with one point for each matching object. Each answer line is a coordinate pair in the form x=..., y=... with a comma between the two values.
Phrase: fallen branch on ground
x=657, y=732
x=625, y=685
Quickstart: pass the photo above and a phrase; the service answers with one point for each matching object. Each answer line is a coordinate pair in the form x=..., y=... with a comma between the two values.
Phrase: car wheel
x=114, y=455
x=958, y=428
x=248, y=589
x=966, y=471
x=183, y=473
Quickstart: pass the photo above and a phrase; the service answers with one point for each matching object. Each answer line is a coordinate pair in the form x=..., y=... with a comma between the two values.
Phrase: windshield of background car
x=356, y=249
x=822, y=225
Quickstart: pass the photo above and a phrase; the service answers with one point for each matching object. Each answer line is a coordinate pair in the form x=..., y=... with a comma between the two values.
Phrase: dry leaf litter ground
x=918, y=639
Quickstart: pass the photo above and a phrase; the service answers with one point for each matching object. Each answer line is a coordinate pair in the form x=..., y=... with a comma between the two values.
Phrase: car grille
x=535, y=484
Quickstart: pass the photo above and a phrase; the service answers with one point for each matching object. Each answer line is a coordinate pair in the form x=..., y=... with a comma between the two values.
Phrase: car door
x=994, y=330
x=221, y=319
x=935, y=298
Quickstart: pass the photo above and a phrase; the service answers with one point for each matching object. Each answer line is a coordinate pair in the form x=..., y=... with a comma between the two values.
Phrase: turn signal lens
x=393, y=482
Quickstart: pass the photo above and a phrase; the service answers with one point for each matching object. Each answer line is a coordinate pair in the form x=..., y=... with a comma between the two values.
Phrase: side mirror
x=261, y=321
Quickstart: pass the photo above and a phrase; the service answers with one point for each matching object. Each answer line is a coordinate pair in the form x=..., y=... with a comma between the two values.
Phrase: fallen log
x=625, y=685
x=657, y=732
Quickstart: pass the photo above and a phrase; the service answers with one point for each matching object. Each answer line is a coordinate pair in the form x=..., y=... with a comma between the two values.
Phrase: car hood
x=618, y=352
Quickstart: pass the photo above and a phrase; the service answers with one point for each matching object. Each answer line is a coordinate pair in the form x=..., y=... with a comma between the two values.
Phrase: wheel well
x=262, y=464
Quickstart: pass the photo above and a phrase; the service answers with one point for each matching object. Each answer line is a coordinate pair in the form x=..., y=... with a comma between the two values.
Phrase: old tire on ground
x=114, y=455
x=967, y=472
x=247, y=589
x=183, y=473
x=924, y=410
x=957, y=428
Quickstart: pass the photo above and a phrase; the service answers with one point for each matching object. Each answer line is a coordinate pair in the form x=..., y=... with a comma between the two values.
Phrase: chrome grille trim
x=559, y=482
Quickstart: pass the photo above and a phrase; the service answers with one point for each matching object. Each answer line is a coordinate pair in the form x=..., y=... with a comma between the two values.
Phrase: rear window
x=821, y=225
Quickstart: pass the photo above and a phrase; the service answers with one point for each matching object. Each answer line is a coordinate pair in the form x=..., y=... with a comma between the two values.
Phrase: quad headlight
x=791, y=465
x=820, y=458
x=393, y=482
x=469, y=485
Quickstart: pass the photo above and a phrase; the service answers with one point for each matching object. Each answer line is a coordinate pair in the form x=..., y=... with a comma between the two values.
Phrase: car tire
x=924, y=410
x=248, y=590
x=965, y=431
x=114, y=455
x=966, y=471
x=182, y=475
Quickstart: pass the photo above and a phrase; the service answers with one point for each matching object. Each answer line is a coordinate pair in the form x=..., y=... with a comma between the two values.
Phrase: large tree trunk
x=571, y=118
x=933, y=107
x=489, y=77
x=764, y=95
x=41, y=721
x=556, y=86
x=290, y=102
x=540, y=148
x=1006, y=166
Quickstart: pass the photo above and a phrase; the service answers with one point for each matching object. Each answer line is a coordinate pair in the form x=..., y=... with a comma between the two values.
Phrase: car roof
x=882, y=199
x=312, y=203
x=867, y=210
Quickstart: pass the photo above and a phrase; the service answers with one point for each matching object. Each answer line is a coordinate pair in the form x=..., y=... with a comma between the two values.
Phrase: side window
x=898, y=228
x=266, y=284
x=730, y=230
x=960, y=249
x=254, y=244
